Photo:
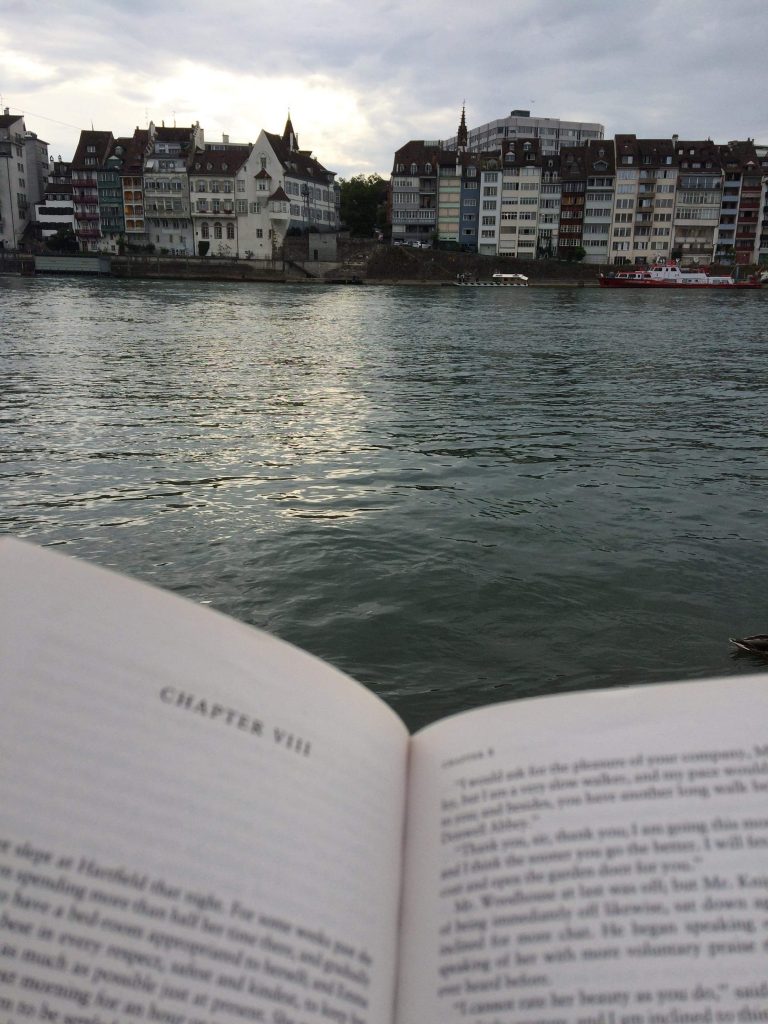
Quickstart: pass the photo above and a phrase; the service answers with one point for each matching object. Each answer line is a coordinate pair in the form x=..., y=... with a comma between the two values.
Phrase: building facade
x=56, y=212
x=23, y=177
x=551, y=133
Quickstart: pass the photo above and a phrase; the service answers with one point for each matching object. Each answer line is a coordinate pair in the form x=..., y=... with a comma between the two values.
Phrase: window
x=217, y=230
x=490, y=190
x=259, y=233
x=230, y=230
x=489, y=220
x=241, y=186
x=204, y=232
x=242, y=206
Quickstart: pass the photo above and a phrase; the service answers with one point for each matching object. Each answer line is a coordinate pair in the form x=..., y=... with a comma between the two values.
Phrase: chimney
x=225, y=139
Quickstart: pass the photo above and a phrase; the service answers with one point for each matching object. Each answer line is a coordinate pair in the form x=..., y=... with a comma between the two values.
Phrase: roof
x=6, y=120
x=220, y=161
x=279, y=194
x=102, y=141
x=299, y=163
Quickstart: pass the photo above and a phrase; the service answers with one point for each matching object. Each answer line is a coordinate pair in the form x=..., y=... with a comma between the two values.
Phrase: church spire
x=289, y=136
x=461, y=135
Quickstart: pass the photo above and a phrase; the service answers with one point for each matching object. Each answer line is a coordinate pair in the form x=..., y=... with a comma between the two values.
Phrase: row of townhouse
x=625, y=200
x=170, y=189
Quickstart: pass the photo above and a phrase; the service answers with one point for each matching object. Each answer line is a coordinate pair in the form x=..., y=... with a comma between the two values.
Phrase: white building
x=23, y=177
x=284, y=189
x=552, y=132
x=56, y=211
x=217, y=188
x=167, y=207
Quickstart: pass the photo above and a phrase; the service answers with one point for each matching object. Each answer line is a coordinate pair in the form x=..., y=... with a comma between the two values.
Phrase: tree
x=363, y=204
x=63, y=241
x=574, y=253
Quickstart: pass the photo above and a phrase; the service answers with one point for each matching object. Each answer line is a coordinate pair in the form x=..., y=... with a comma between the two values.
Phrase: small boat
x=669, y=274
x=757, y=644
x=497, y=281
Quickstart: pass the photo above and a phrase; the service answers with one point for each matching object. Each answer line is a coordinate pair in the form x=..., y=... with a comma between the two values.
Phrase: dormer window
x=414, y=169
x=427, y=168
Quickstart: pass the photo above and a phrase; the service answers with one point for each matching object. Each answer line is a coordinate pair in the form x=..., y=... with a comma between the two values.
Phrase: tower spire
x=461, y=134
x=289, y=135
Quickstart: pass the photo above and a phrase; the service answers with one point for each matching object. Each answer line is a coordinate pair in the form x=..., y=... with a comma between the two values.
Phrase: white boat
x=669, y=274
x=497, y=281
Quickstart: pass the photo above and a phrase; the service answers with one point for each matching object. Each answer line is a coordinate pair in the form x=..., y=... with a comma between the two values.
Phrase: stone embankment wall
x=201, y=268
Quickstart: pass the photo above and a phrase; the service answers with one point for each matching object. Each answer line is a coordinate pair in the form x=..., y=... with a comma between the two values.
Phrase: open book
x=200, y=824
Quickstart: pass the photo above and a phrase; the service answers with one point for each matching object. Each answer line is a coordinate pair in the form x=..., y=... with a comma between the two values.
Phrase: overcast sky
x=362, y=77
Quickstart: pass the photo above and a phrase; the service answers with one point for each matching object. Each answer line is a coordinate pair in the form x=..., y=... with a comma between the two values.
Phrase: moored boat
x=669, y=274
x=497, y=281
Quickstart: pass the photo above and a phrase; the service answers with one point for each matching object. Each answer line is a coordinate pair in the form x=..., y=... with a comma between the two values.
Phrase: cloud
x=362, y=79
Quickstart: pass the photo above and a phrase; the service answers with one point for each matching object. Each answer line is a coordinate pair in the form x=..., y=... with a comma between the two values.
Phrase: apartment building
x=167, y=205
x=23, y=177
x=521, y=182
x=132, y=185
x=761, y=242
x=698, y=200
x=644, y=205
x=551, y=132
x=738, y=231
x=217, y=191
x=599, y=195
x=414, y=192
x=56, y=211
x=90, y=156
x=573, y=188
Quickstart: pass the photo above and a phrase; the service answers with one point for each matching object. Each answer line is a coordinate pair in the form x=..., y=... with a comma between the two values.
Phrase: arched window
x=414, y=169
x=230, y=230
x=204, y=232
x=217, y=230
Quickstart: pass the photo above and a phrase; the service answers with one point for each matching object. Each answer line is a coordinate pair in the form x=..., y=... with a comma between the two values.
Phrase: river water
x=458, y=496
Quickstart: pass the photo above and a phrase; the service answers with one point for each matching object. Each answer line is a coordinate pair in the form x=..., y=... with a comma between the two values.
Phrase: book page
x=594, y=858
x=199, y=824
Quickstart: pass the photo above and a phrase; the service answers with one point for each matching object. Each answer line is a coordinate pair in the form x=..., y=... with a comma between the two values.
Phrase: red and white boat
x=669, y=274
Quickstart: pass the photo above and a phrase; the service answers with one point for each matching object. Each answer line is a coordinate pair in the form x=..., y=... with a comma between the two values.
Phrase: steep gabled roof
x=279, y=194
x=101, y=142
x=299, y=163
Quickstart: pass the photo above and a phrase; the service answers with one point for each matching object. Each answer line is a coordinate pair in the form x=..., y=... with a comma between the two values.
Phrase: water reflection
x=456, y=495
